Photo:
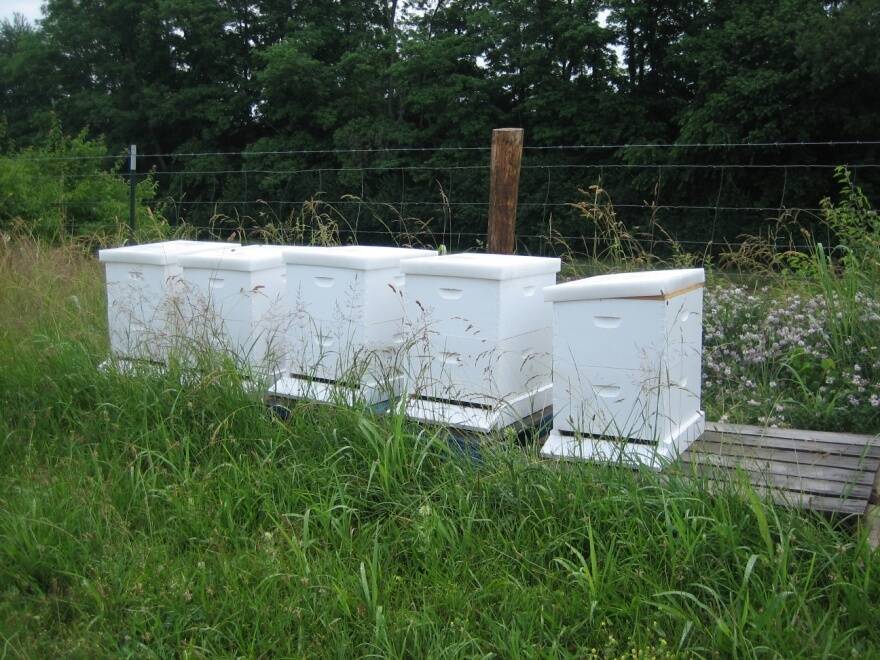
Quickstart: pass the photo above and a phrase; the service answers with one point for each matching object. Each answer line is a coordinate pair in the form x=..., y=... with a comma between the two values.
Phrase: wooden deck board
x=817, y=470
x=858, y=451
x=795, y=434
x=811, y=501
x=795, y=456
x=794, y=498
x=814, y=472
x=718, y=468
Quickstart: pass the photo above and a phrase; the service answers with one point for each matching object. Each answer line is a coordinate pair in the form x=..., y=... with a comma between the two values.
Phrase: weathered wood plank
x=791, y=483
x=813, y=502
x=872, y=514
x=807, y=501
x=786, y=455
x=839, y=476
x=817, y=470
x=795, y=434
x=870, y=451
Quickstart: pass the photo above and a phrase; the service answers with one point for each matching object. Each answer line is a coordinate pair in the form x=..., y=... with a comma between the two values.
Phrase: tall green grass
x=140, y=517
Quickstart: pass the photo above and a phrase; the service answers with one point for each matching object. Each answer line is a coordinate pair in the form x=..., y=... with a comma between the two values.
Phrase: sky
x=30, y=8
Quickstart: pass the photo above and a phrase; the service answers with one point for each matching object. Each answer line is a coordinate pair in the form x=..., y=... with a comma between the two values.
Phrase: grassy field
x=141, y=518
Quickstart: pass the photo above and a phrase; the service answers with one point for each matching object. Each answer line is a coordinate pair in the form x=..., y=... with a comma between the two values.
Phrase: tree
x=27, y=83
x=651, y=33
x=750, y=81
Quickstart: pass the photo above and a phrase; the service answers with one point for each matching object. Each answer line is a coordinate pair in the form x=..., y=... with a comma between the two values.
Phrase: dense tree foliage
x=246, y=77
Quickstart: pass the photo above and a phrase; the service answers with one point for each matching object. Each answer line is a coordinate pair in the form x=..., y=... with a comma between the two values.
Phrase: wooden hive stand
x=816, y=470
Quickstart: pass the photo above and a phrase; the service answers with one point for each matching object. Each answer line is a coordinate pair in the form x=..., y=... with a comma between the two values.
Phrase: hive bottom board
x=563, y=445
x=129, y=365
x=328, y=391
x=254, y=382
x=479, y=417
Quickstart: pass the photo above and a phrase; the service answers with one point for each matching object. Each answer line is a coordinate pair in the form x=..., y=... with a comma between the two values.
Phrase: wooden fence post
x=507, y=145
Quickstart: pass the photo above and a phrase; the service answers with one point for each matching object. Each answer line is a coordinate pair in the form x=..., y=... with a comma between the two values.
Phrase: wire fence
x=705, y=198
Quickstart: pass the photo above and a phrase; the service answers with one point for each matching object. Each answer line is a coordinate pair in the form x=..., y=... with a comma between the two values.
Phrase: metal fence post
x=132, y=191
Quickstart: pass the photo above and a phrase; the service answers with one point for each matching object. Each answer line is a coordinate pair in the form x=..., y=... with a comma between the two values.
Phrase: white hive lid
x=299, y=254
x=649, y=284
x=482, y=266
x=249, y=258
x=354, y=257
x=158, y=254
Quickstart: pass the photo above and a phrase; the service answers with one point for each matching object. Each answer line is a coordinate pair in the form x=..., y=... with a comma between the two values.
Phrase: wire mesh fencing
x=704, y=199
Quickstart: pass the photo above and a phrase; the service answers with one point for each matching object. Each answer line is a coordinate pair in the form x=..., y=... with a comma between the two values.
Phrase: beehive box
x=233, y=301
x=346, y=307
x=479, y=338
x=142, y=284
x=627, y=366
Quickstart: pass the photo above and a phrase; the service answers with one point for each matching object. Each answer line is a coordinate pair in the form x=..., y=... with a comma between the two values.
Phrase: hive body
x=479, y=339
x=233, y=301
x=143, y=288
x=627, y=367
x=346, y=330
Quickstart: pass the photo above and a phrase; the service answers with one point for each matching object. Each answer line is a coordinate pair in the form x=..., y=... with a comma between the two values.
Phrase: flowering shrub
x=781, y=359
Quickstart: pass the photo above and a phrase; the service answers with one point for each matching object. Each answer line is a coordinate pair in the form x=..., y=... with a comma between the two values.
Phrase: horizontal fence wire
x=288, y=172
x=543, y=237
x=709, y=145
x=698, y=166
x=342, y=202
x=546, y=237
x=561, y=147
x=453, y=168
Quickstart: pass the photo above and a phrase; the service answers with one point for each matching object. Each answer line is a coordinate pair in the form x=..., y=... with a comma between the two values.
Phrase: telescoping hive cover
x=354, y=257
x=157, y=254
x=249, y=258
x=650, y=284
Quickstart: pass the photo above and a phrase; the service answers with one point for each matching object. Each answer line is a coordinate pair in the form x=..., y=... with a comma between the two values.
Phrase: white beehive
x=480, y=339
x=627, y=366
x=142, y=282
x=233, y=301
x=346, y=310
